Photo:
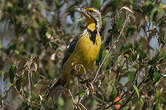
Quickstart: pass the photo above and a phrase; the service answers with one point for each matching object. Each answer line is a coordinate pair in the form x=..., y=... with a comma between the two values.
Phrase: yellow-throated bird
x=84, y=48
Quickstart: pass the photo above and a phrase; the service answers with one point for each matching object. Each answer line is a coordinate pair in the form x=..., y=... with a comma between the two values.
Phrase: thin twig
x=73, y=100
x=82, y=106
x=76, y=104
x=100, y=66
x=133, y=92
x=110, y=50
x=116, y=102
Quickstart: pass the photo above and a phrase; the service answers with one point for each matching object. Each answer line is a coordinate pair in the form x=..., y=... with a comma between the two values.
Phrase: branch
x=77, y=105
x=133, y=92
x=109, y=52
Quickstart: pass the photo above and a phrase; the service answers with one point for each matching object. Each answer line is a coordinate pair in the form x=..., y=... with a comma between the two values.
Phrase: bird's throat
x=93, y=31
x=92, y=27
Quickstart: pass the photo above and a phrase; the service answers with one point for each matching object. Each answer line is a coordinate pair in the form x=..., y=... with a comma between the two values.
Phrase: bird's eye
x=90, y=11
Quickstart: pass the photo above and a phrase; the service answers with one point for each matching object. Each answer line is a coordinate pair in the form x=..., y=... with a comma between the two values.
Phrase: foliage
x=129, y=72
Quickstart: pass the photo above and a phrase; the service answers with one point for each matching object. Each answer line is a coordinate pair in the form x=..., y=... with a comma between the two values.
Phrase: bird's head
x=92, y=15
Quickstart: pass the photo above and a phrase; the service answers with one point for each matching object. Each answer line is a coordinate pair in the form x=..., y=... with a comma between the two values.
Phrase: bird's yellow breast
x=87, y=50
x=85, y=53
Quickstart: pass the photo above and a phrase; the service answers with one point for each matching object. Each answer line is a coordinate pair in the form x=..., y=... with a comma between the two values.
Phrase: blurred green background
x=35, y=33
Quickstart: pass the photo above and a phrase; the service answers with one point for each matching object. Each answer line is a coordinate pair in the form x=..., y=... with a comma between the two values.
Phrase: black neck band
x=93, y=35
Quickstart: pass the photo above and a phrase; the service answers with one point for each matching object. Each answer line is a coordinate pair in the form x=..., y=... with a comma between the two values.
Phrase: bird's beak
x=80, y=10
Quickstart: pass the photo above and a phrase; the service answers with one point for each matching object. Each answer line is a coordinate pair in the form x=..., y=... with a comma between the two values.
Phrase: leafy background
x=130, y=69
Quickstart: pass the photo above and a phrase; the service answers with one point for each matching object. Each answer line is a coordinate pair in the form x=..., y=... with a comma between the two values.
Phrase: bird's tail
x=63, y=81
x=54, y=86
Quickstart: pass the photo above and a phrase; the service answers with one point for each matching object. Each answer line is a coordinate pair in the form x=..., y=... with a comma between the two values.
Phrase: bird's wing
x=70, y=50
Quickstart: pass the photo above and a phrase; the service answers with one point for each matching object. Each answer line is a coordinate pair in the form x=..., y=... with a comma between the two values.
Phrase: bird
x=84, y=48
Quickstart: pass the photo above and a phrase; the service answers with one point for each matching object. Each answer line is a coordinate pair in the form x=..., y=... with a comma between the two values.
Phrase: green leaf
x=101, y=55
x=141, y=102
x=136, y=90
x=115, y=4
x=21, y=49
x=119, y=23
x=127, y=48
x=18, y=83
x=116, y=28
x=1, y=46
x=8, y=85
x=142, y=55
x=131, y=76
x=113, y=95
x=51, y=31
x=134, y=56
x=157, y=107
x=82, y=93
x=9, y=4
x=106, y=63
x=154, y=13
x=96, y=3
x=131, y=1
x=127, y=55
x=156, y=76
x=148, y=7
x=150, y=91
x=29, y=30
x=12, y=73
x=60, y=101
x=157, y=97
